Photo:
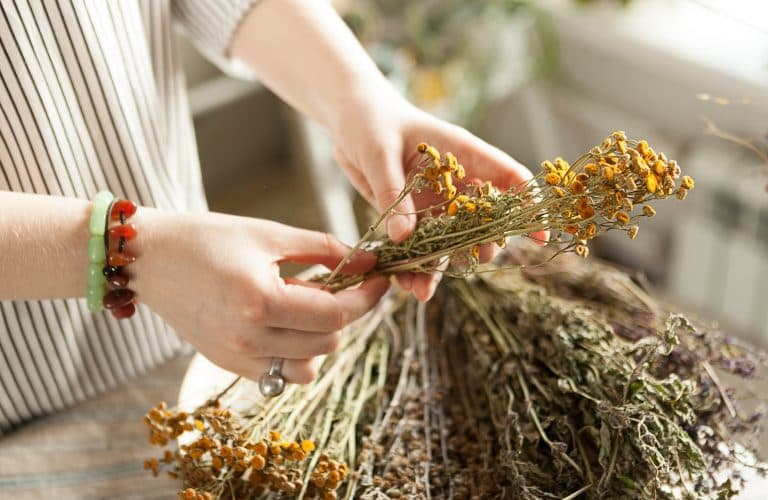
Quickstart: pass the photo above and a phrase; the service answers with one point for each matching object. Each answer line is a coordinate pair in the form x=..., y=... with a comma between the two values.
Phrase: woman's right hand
x=215, y=279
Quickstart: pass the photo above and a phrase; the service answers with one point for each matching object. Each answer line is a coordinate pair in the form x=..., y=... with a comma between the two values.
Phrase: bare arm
x=43, y=246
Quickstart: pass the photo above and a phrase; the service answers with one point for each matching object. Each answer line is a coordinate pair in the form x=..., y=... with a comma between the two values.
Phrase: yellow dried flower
x=431, y=173
x=681, y=193
x=686, y=182
x=199, y=425
x=619, y=135
x=648, y=211
x=592, y=169
x=587, y=212
x=659, y=168
x=308, y=446
x=577, y=187
x=447, y=179
x=460, y=172
x=553, y=179
x=470, y=207
x=422, y=147
x=558, y=192
x=608, y=173
x=582, y=251
x=642, y=148
x=622, y=218
x=453, y=208
x=651, y=183
x=450, y=192
x=548, y=167
x=476, y=251
x=632, y=232
x=274, y=435
x=433, y=153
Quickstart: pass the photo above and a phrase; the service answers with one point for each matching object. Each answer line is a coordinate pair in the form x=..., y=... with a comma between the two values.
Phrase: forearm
x=43, y=246
x=303, y=51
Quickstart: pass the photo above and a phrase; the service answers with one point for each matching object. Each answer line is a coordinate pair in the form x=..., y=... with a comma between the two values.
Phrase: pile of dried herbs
x=557, y=380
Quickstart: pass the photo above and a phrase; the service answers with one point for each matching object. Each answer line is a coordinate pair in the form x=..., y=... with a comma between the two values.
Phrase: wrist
x=158, y=231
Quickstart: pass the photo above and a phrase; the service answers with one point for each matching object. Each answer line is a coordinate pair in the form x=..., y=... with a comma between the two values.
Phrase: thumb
x=387, y=182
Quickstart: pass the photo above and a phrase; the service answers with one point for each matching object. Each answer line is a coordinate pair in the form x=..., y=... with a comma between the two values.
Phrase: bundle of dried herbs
x=609, y=187
x=559, y=380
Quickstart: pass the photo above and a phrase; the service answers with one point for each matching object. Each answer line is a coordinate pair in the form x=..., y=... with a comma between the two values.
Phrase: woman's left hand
x=376, y=141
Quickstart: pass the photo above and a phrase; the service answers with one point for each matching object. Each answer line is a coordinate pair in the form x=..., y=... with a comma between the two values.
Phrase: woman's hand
x=376, y=138
x=216, y=280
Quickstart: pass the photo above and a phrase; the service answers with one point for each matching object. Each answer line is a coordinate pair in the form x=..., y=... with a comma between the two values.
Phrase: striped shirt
x=92, y=97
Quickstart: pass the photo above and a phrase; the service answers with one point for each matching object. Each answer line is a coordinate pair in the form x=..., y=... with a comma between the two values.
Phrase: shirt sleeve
x=210, y=26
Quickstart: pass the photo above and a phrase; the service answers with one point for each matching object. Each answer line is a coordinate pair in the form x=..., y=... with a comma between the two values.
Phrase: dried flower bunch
x=225, y=459
x=562, y=380
x=610, y=187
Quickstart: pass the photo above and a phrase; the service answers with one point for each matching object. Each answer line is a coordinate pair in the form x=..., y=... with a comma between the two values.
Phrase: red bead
x=126, y=207
x=118, y=280
x=115, y=299
x=115, y=258
x=124, y=312
x=127, y=231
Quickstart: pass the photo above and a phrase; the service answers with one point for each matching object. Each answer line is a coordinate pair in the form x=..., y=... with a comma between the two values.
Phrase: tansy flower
x=632, y=232
x=592, y=169
x=577, y=187
x=651, y=183
x=453, y=207
x=558, y=192
x=553, y=179
x=622, y=218
x=648, y=211
x=686, y=182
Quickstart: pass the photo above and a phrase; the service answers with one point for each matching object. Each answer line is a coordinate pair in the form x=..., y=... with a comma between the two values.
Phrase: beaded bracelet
x=120, y=300
x=96, y=252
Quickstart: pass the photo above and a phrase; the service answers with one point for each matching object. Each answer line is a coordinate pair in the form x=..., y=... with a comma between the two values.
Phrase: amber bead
x=115, y=299
x=126, y=207
x=127, y=231
x=124, y=312
x=115, y=258
x=118, y=280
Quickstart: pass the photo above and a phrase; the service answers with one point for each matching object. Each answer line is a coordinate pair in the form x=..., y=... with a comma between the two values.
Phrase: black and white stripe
x=91, y=98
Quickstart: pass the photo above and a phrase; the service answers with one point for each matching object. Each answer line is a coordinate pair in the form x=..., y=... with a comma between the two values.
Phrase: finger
x=289, y=344
x=356, y=178
x=488, y=252
x=405, y=280
x=294, y=371
x=388, y=182
x=425, y=284
x=309, y=309
x=313, y=247
x=540, y=237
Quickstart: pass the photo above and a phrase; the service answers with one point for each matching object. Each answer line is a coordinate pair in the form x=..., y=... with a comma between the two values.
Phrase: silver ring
x=272, y=383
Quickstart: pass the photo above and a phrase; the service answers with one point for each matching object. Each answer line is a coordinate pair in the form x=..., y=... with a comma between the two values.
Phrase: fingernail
x=398, y=227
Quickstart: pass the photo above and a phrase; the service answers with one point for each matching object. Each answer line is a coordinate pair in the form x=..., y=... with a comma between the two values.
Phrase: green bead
x=98, y=221
x=95, y=276
x=94, y=296
x=97, y=254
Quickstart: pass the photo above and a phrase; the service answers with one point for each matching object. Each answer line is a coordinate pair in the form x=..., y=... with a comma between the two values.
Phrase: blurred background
x=539, y=79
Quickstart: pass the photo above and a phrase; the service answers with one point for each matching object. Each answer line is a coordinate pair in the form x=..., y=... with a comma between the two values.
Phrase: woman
x=92, y=98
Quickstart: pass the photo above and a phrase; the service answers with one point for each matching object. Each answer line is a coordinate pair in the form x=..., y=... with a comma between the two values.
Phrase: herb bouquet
x=530, y=378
